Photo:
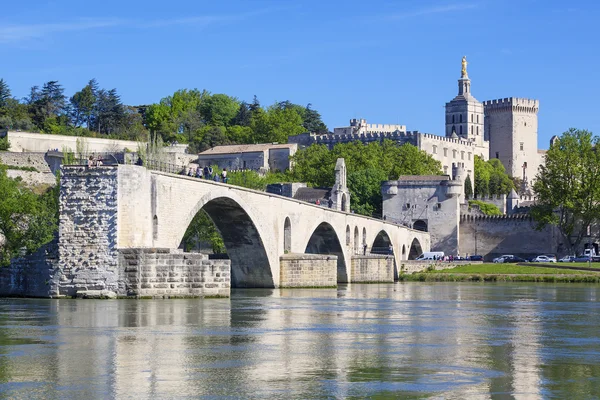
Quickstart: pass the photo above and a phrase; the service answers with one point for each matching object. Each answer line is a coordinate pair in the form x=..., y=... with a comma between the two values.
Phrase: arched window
x=287, y=235
x=348, y=235
x=460, y=118
x=472, y=130
x=460, y=129
x=477, y=130
x=477, y=118
x=452, y=118
x=472, y=117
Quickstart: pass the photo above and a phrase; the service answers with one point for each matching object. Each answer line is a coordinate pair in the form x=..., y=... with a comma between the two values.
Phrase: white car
x=543, y=259
x=567, y=259
x=500, y=260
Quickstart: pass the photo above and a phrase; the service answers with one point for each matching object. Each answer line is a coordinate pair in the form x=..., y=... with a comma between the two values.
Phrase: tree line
x=197, y=117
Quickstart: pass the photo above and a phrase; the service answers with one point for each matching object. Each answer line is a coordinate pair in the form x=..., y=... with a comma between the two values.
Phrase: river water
x=403, y=340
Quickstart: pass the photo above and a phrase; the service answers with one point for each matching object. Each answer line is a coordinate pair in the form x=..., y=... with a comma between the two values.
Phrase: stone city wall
x=308, y=270
x=40, y=142
x=494, y=236
x=36, y=275
x=88, y=229
x=365, y=269
x=412, y=266
x=166, y=273
x=35, y=160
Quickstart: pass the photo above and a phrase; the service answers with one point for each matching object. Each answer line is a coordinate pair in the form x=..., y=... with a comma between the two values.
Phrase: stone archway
x=344, y=202
x=356, y=240
x=403, y=252
x=348, y=235
x=249, y=261
x=415, y=249
x=381, y=244
x=420, y=225
x=324, y=240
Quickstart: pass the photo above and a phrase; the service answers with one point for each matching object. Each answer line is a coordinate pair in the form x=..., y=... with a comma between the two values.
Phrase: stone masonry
x=87, y=236
x=308, y=270
x=372, y=269
x=167, y=273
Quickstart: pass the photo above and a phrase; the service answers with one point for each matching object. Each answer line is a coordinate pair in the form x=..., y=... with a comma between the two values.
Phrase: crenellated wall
x=492, y=236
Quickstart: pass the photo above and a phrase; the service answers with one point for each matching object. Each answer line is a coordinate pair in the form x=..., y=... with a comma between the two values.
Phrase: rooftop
x=248, y=148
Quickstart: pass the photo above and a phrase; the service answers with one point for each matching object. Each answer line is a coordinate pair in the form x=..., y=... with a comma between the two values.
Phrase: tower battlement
x=512, y=104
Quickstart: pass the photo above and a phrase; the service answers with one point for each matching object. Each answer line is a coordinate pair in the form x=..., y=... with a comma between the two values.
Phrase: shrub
x=486, y=208
x=4, y=144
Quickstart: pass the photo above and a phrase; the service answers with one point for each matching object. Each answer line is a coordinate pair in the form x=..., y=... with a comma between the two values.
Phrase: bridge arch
x=250, y=266
x=347, y=235
x=381, y=243
x=415, y=249
x=324, y=240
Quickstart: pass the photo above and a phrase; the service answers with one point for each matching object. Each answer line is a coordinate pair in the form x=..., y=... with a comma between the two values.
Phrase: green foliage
x=491, y=178
x=4, y=144
x=27, y=221
x=367, y=166
x=468, y=187
x=30, y=169
x=567, y=189
x=5, y=94
x=202, y=229
x=68, y=156
x=486, y=208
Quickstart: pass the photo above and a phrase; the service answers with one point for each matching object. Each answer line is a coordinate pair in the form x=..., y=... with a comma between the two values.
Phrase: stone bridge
x=111, y=208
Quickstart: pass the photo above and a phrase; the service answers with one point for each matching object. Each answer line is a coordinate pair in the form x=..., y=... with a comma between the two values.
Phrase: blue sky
x=386, y=61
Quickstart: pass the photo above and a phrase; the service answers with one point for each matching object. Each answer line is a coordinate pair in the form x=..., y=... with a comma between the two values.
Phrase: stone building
x=336, y=197
x=428, y=203
x=266, y=156
x=505, y=129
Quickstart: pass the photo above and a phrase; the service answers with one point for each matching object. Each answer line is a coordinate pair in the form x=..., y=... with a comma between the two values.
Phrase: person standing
x=224, y=175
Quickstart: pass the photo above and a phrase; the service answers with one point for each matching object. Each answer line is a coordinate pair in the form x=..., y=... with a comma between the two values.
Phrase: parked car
x=567, y=259
x=583, y=258
x=501, y=258
x=544, y=259
x=475, y=258
x=514, y=259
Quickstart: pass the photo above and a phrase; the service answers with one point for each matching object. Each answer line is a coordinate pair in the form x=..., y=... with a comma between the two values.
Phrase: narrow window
x=497, y=155
x=453, y=153
x=471, y=117
x=477, y=131
x=460, y=129
x=445, y=152
x=521, y=146
x=434, y=150
x=462, y=155
x=445, y=169
x=477, y=118
x=460, y=118
x=453, y=118
x=469, y=156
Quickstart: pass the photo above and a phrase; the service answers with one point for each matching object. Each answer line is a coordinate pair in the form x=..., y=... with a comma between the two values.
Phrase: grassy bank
x=503, y=273
x=510, y=269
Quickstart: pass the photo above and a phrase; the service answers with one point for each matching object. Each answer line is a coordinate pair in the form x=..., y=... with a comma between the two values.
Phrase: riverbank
x=504, y=273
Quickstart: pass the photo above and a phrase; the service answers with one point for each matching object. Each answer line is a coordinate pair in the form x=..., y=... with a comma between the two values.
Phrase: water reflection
x=409, y=340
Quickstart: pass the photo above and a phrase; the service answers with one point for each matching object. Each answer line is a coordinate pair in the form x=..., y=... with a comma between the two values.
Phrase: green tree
x=203, y=230
x=4, y=94
x=500, y=183
x=482, y=177
x=82, y=106
x=468, y=187
x=219, y=109
x=27, y=221
x=566, y=187
x=365, y=187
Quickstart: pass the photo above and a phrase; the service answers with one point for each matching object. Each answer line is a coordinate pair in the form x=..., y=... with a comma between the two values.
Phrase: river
x=403, y=340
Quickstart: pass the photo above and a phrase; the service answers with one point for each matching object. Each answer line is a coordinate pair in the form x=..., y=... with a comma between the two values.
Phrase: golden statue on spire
x=463, y=72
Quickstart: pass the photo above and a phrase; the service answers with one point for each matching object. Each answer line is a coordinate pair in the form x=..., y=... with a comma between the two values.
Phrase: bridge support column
x=308, y=270
x=372, y=269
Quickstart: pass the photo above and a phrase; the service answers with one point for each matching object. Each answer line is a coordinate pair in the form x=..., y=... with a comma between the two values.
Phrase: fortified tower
x=511, y=126
x=464, y=114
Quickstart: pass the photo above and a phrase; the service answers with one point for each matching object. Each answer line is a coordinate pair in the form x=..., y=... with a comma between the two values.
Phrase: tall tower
x=464, y=114
x=511, y=126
